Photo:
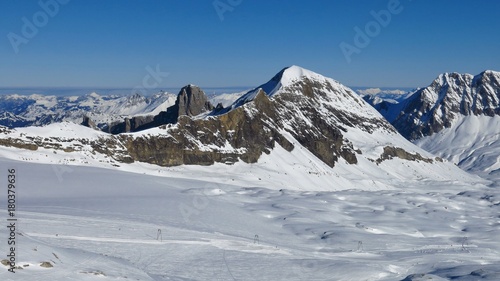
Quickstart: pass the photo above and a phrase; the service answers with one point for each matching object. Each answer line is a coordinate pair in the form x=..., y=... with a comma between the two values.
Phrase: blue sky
x=113, y=43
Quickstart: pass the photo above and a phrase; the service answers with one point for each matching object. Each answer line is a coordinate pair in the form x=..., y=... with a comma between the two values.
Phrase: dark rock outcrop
x=192, y=101
x=87, y=122
x=391, y=152
x=247, y=134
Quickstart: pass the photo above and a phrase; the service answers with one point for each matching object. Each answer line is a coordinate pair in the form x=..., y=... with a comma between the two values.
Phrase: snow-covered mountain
x=452, y=95
x=318, y=125
x=455, y=117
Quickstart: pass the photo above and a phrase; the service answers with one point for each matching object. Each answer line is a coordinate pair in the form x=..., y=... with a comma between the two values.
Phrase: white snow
x=378, y=91
x=472, y=143
x=95, y=224
x=294, y=73
x=337, y=96
x=226, y=99
x=60, y=130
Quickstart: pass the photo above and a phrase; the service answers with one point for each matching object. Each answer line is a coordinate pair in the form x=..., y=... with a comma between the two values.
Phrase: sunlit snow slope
x=100, y=224
x=472, y=142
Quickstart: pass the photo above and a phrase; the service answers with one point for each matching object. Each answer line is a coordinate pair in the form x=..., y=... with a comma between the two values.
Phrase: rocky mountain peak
x=136, y=98
x=449, y=96
x=453, y=80
x=300, y=84
x=192, y=101
x=488, y=79
x=88, y=122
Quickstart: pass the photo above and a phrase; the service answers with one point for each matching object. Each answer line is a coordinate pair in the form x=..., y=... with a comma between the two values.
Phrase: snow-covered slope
x=73, y=145
x=225, y=99
x=95, y=224
x=472, y=142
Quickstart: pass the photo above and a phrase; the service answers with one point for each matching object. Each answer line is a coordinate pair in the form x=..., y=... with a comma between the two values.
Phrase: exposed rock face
x=87, y=122
x=431, y=109
x=392, y=152
x=46, y=264
x=248, y=136
x=191, y=101
x=320, y=135
x=10, y=142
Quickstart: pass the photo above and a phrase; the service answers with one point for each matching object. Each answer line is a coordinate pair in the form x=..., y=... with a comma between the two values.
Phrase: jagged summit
x=450, y=78
x=449, y=97
x=192, y=101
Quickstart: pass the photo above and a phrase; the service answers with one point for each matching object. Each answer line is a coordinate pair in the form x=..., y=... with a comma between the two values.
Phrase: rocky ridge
x=437, y=106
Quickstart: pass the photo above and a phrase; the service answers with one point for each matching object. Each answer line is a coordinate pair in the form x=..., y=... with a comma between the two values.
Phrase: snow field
x=103, y=225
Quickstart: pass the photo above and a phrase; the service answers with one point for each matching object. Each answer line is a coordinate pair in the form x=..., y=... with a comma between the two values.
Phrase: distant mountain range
x=39, y=110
